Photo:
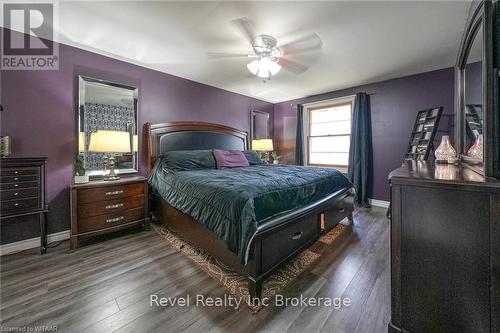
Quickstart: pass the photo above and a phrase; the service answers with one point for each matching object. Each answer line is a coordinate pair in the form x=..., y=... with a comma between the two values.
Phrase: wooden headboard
x=187, y=135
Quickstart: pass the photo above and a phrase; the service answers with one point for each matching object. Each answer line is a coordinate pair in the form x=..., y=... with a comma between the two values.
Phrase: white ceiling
x=362, y=41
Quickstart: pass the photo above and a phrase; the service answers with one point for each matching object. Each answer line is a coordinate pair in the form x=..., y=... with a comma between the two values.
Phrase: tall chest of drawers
x=103, y=206
x=22, y=191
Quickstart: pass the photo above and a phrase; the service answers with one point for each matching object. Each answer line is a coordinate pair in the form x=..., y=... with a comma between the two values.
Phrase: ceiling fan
x=269, y=56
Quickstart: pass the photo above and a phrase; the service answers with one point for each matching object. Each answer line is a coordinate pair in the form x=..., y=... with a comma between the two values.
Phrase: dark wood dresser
x=445, y=250
x=22, y=191
x=104, y=206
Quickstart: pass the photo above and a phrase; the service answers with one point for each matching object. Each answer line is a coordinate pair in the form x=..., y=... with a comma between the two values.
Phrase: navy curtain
x=299, y=144
x=360, y=152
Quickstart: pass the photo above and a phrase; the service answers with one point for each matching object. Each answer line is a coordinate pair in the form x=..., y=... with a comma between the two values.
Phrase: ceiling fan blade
x=307, y=43
x=292, y=66
x=247, y=28
x=222, y=55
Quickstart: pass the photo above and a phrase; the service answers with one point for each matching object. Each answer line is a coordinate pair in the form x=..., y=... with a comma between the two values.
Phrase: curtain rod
x=328, y=99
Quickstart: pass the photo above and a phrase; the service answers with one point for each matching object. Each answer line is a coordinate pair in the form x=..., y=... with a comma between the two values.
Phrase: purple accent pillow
x=229, y=159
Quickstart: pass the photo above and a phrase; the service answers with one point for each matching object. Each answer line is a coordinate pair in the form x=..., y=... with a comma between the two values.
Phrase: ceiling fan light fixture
x=253, y=67
x=264, y=67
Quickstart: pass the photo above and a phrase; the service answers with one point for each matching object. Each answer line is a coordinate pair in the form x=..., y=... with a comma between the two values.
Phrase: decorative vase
x=81, y=179
x=5, y=146
x=445, y=151
x=476, y=150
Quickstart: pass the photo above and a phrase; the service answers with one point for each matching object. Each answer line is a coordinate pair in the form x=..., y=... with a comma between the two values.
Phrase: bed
x=253, y=218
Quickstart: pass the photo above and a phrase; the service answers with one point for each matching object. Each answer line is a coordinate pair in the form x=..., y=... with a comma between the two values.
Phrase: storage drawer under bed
x=336, y=212
x=283, y=242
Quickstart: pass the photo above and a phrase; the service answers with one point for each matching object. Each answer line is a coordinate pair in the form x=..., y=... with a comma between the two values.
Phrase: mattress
x=232, y=203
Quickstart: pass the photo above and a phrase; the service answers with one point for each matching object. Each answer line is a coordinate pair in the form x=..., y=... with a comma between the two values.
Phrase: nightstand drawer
x=110, y=220
x=109, y=192
x=13, y=186
x=18, y=205
x=20, y=171
x=16, y=179
x=19, y=193
x=110, y=206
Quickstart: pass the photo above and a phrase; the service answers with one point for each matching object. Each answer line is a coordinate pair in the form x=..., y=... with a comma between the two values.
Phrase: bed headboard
x=186, y=135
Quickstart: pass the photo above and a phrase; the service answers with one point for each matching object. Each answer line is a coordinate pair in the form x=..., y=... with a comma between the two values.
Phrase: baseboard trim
x=379, y=203
x=32, y=243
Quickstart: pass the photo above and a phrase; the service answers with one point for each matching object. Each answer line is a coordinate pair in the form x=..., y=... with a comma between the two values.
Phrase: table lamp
x=113, y=142
x=264, y=146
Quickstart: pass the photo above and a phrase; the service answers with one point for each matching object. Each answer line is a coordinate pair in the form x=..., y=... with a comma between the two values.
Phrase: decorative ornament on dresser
x=476, y=150
x=445, y=152
x=5, y=146
x=275, y=157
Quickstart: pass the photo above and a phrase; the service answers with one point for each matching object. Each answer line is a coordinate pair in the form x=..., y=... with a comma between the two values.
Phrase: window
x=329, y=134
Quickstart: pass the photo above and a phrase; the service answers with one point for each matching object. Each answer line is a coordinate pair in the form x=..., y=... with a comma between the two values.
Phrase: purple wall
x=394, y=105
x=40, y=116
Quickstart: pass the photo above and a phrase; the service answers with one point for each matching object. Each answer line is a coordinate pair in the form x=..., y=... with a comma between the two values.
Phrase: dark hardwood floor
x=106, y=287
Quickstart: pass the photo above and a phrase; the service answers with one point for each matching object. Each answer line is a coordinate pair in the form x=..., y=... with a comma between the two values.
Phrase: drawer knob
x=16, y=185
x=116, y=219
x=114, y=206
x=16, y=194
x=16, y=172
x=114, y=192
x=297, y=235
x=15, y=178
x=16, y=204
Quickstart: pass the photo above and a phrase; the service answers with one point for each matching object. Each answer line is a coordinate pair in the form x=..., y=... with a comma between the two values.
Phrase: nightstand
x=100, y=206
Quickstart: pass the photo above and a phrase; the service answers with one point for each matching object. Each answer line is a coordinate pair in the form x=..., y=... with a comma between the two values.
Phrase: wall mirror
x=260, y=125
x=475, y=135
x=473, y=102
x=109, y=108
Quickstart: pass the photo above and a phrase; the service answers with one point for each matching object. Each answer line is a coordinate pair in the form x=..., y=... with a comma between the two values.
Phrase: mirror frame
x=82, y=79
x=252, y=130
x=480, y=15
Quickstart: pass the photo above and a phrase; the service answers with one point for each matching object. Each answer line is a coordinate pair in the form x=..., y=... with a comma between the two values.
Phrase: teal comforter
x=234, y=202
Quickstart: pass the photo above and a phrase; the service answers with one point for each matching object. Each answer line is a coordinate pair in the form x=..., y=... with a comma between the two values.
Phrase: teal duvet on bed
x=234, y=202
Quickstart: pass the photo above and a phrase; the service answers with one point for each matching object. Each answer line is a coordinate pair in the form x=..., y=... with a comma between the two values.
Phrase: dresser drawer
x=16, y=179
x=110, y=220
x=110, y=206
x=18, y=205
x=280, y=244
x=109, y=192
x=13, y=186
x=20, y=171
x=19, y=193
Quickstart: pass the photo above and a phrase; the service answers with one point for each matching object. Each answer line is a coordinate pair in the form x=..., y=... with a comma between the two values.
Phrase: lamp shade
x=262, y=145
x=110, y=142
x=81, y=142
x=135, y=143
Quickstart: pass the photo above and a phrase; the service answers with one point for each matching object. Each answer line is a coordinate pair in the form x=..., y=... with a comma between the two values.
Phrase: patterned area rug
x=235, y=283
